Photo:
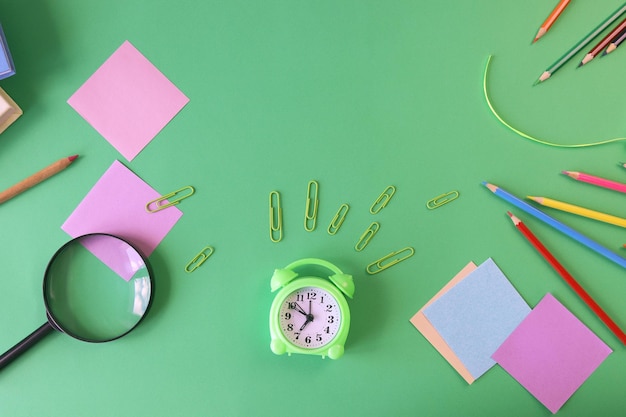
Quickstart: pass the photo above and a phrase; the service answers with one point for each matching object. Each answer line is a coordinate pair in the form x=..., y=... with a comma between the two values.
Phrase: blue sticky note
x=477, y=315
x=6, y=62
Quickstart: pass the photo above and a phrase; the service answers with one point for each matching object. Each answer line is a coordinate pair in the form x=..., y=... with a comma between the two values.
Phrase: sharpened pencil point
x=491, y=187
x=72, y=158
x=514, y=218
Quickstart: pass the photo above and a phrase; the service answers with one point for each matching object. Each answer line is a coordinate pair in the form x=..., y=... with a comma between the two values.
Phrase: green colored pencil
x=581, y=44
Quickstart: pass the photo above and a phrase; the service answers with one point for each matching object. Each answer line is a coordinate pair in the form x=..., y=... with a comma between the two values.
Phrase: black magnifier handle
x=25, y=344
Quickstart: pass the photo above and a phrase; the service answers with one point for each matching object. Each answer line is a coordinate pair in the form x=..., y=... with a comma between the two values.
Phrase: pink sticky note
x=422, y=324
x=551, y=353
x=116, y=205
x=128, y=100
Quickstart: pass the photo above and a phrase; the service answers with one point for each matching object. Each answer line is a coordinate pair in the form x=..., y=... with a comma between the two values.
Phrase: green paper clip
x=310, y=219
x=365, y=238
x=158, y=201
x=199, y=259
x=442, y=199
x=337, y=221
x=276, y=217
x=383, y=199
x=381, y=265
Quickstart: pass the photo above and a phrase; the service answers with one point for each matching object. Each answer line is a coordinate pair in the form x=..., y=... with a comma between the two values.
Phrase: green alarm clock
x=309, y=314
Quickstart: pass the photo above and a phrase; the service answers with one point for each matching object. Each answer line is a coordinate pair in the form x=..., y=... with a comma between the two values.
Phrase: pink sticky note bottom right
x=422, y=324
x=551, y=353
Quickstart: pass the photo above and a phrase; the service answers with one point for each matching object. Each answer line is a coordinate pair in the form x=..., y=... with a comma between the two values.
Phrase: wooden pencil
x=600, y=182
x=36, y=178
x=545, y=26
x=615, y=43
x=569, y=279
x=580, y=211
x=603, y=43
x=581, y=44
x=568, y=231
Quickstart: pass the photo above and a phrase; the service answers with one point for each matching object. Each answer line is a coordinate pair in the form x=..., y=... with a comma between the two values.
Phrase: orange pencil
x=551, y=19
x=36, y=178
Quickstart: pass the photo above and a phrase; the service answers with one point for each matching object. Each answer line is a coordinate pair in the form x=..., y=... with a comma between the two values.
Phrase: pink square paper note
x=551, y=353
x=116, y=205
x=128, y=100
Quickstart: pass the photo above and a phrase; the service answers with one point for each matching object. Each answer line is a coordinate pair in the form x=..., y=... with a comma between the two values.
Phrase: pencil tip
x=540, y=33
x=514, y=218
x=72, y=158
x=491, y=187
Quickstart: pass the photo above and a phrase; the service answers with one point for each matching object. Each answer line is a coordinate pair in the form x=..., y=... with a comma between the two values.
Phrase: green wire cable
x=534, y=139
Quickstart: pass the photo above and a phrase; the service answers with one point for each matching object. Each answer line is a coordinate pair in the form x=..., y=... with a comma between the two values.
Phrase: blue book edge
x=6, y=54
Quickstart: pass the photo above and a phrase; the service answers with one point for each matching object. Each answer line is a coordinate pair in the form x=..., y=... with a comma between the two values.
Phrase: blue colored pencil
x=556, y=224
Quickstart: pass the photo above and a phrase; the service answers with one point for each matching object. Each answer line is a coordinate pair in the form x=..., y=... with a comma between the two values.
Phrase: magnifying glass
x=96, y=288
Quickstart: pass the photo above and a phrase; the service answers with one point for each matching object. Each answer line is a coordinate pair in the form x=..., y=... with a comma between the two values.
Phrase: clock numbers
x=310, y=317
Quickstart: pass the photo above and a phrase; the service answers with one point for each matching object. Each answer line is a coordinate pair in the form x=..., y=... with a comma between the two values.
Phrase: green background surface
x=357, y=95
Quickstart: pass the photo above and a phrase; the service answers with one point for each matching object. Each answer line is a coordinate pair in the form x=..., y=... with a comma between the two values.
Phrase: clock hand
x=300, y=309
x=305, y=323
x=309, y=317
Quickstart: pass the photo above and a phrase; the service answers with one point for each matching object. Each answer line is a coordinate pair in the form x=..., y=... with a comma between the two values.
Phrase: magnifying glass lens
x=97, y=288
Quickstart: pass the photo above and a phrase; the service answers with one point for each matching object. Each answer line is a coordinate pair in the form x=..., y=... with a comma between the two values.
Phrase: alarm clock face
x=310, y=317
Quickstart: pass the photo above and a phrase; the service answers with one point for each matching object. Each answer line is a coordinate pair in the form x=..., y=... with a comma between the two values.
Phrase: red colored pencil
x=569, y=279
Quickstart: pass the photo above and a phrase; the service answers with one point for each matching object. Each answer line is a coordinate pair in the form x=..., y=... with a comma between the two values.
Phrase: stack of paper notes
x=9, y=110
x=478, y=319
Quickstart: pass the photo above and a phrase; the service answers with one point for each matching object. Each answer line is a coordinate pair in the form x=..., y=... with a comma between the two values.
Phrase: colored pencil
x=568, y=231
x=581, y=44
x=581, y=211
x=603, y=43
x=545, y=26
x=600, y=182
x=36, y=178
x=569, y=279
x=615, y=43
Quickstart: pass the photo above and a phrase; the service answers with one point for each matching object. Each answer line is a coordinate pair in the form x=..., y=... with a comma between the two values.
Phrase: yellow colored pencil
x=581, y=211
